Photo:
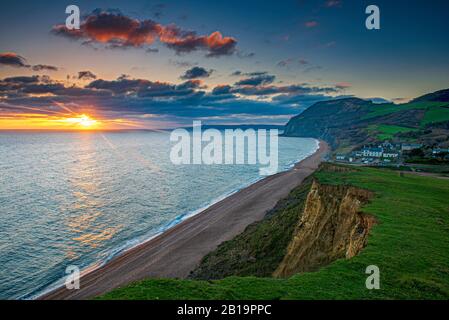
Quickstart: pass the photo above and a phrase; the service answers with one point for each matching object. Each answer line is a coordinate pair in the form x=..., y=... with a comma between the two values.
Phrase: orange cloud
x=118, y=30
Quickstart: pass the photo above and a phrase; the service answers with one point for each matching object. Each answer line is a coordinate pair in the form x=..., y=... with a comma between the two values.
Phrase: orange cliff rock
x=332, y=227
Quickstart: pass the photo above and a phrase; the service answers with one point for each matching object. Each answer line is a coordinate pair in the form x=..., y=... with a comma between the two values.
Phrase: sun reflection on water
x=84, y=177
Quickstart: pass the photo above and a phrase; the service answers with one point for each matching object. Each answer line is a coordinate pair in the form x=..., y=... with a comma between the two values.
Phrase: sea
x=82, y=198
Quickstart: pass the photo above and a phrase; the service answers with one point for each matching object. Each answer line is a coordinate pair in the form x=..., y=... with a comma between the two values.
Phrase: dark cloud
x=274, y=90
x=291, y=62
x=244, y=55
x=40, y=88
x=122, y=86
x=86, y=75
x=136, y=98
x=13, y=60
x=23, y=86
x=15, y=85
x=152, y=50
x=146, y=88
x=249, y=74
x=119, y=31
x=256, y=80
x=222, y=89
x=255, y=74
x=191, y=84
x=195, y=73
x=43, y=67
x=21, y=80
x=123, y=76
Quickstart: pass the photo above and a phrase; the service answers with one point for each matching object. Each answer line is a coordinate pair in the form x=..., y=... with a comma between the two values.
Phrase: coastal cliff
x=331, y=227
x=316, y=225
x=332, y=121
x=408, y=244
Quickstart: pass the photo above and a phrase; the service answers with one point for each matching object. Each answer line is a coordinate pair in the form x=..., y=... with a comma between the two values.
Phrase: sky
x=163, y=64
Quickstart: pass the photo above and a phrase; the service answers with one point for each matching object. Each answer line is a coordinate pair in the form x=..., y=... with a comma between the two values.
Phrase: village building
x=372, y=152
x=439, y=151
x=390, y=155
x=410, y=146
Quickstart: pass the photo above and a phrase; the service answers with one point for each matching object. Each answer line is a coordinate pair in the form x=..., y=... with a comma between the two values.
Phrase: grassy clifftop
x=409, y=243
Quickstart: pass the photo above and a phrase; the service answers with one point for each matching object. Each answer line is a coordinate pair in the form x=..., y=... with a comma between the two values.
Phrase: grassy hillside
x=410, y=245
x=390, y=108
x=435, y=115
x=350, y=123
x=387, y=132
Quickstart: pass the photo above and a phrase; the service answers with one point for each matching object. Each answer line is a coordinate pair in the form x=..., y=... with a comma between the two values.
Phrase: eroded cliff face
x=331, y=227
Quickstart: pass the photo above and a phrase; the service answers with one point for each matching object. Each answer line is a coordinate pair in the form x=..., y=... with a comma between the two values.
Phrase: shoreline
x=136, y=242
x=193, y=237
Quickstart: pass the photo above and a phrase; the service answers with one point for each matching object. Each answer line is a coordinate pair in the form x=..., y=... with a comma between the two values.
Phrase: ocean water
x=82, y=198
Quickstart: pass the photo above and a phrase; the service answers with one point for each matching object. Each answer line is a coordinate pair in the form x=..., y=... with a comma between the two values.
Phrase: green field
x=434, y=115
x=386, y=132
x=389, y=108
x=410, y=245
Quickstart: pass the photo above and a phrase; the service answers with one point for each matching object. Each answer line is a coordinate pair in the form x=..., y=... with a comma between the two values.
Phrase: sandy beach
x=179, y=250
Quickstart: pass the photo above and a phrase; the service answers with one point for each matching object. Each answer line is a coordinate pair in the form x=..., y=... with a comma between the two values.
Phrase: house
x=372, y=152
x=390, y=155
x=387, y=145
x=340, y=157
x=410, y=146
x=439, y=150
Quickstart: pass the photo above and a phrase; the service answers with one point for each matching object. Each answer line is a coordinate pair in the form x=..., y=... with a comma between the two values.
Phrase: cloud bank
x=117, y=30
x=14, y=60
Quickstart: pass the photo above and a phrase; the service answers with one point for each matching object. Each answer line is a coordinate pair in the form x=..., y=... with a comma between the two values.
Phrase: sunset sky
x=153, y=64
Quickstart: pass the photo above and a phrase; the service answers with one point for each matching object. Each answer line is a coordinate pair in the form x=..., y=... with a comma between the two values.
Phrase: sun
x=83, y=121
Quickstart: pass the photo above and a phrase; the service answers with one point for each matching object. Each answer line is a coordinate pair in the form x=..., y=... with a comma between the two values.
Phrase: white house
x=438, y=150
x=411, y=146
x=390, y=155
x=372, y=152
